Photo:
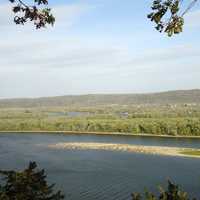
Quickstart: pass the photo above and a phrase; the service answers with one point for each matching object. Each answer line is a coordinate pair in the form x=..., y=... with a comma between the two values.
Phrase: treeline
x=163, y=126
x=105, y=112
x=159, y=120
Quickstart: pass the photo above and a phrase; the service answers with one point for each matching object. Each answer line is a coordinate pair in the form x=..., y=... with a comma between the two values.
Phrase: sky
x=96, y=46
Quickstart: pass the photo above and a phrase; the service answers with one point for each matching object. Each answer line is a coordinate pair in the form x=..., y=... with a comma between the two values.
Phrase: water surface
x=101, y=174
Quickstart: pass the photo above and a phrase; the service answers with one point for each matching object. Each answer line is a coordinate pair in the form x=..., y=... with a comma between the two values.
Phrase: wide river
x=99, y=174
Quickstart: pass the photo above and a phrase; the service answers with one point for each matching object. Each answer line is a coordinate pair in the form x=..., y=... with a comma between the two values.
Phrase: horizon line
x=90, y=94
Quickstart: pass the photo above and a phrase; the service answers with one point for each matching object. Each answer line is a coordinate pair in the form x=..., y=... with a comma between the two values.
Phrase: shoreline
x=105, y=133
x=153, y=150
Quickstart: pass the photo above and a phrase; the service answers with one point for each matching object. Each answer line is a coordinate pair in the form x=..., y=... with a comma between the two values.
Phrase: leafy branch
x=24, y=12
x=167, y=15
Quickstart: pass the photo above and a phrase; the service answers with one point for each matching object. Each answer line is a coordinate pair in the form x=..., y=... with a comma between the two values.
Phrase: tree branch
x=24, y=13
x=162, y=8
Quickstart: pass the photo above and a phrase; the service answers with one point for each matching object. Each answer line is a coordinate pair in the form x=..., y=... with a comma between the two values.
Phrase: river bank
x=156, y=150
x=104, y=133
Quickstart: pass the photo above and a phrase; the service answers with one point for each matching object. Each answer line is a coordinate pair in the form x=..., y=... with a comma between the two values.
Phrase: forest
x=167, y=119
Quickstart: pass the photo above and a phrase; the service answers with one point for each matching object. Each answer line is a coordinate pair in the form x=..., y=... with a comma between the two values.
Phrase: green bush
x=29, y=184
x=173, y=192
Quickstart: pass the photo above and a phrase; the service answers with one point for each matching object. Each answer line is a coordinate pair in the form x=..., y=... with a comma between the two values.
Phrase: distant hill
x=169, y=97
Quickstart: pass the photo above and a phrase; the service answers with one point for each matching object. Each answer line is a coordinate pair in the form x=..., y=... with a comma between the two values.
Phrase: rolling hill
x=169, y=97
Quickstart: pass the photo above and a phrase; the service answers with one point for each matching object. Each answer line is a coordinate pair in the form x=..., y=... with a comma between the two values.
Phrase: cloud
x=59, y=60
x=6, y=17
x=192, y=19
x=25, y=46
x=73, y=53
x=58, y=54
x=66, y=15
x=163, y=56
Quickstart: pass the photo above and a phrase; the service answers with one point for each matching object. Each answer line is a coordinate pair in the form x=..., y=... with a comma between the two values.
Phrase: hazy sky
x=96, y=46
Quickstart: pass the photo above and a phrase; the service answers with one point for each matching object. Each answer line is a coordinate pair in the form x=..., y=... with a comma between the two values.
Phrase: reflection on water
x=69, y=114
x=100, y=174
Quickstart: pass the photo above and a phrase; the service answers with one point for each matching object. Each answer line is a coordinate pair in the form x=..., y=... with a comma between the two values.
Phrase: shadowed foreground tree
x=166, y=14
x=29, y=184
x=173, y=192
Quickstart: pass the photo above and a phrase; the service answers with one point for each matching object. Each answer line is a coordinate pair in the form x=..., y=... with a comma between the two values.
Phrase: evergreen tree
x=29, y=184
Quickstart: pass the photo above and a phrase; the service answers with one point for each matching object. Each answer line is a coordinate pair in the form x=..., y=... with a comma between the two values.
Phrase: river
x=99, y=174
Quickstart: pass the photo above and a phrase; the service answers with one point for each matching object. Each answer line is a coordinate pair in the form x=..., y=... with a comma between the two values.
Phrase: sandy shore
x=104, y=133
x=156, y=150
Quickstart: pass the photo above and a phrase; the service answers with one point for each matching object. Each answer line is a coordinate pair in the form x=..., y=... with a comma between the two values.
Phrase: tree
x=40, y=16
x=29, y=184
x=172, y=193
x=166, y=14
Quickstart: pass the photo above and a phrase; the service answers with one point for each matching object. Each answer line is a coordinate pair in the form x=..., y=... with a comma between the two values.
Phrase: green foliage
x=165, y=14
x=24, y=13
x=160, y=8
x=29, y=184
x=172, y=193
x=191, y=152
x=167, y=119
x=165, y=126
x=169, y=113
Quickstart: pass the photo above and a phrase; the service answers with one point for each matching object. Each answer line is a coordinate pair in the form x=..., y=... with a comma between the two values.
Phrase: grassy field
x=191, y=152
